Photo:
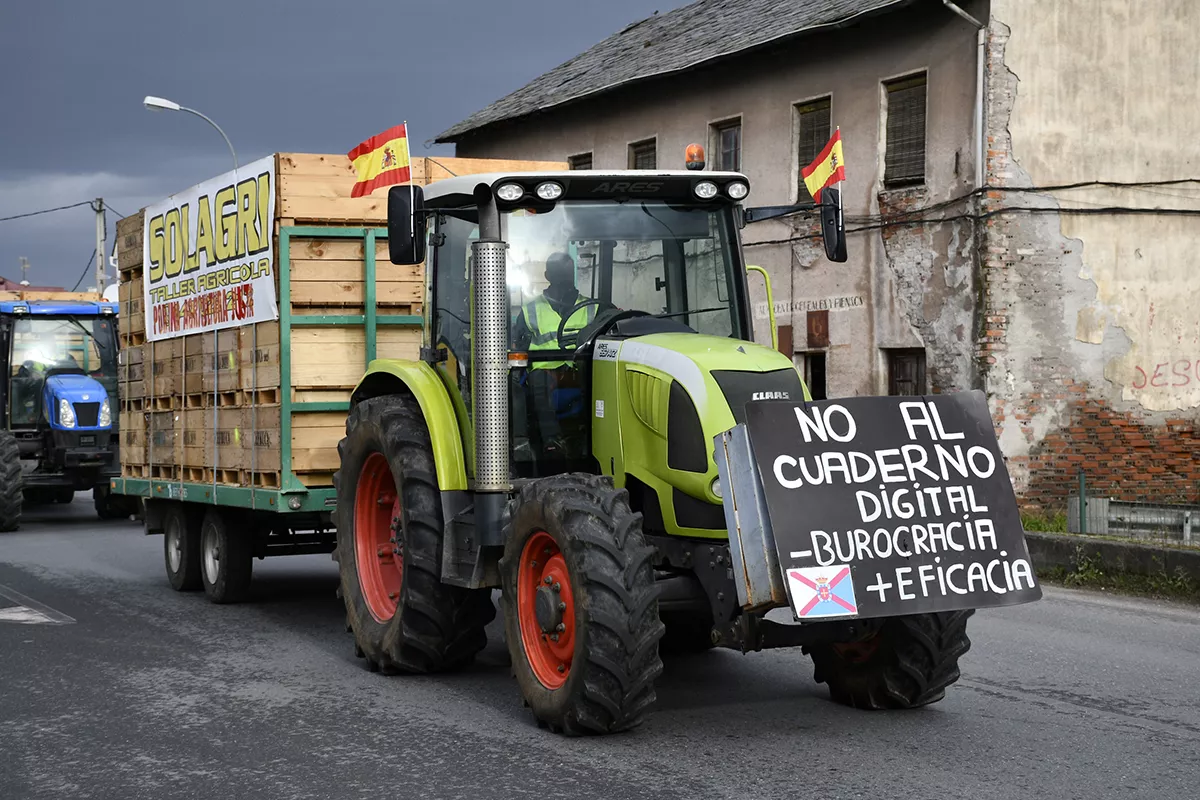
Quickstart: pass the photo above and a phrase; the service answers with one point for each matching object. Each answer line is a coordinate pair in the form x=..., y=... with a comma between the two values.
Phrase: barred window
x=727, y=141
x=904, y=158
x=581, y=161
x=813, y=129
x=642, y=155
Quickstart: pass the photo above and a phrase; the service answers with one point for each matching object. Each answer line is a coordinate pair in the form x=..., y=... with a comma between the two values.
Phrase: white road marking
x=29, y=611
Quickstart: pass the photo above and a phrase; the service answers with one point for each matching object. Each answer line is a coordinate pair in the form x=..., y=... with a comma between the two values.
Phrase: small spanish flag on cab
x=827, y=168
x=381, y=160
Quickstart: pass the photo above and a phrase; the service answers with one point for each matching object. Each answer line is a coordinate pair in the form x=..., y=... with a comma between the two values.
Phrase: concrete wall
x=907, y=286
x=1092, y=344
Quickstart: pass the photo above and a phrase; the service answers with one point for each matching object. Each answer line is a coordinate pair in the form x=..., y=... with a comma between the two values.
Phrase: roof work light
x=693, y=157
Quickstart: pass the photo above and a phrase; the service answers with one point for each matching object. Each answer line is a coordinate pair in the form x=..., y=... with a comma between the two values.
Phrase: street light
x=162, y=104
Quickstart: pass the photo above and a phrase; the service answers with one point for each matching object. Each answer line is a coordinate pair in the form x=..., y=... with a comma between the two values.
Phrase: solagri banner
x=209, y=255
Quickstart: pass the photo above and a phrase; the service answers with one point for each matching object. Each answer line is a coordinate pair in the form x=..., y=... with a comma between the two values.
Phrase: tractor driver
x=555, y=395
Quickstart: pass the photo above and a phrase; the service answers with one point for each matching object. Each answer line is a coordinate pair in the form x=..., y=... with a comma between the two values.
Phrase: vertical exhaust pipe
x=489, y=389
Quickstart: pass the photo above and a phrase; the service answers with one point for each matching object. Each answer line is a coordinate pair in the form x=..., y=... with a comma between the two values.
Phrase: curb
x=1050, y=550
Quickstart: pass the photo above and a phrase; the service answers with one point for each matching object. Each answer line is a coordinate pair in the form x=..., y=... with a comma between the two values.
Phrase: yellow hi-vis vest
x=543, y=321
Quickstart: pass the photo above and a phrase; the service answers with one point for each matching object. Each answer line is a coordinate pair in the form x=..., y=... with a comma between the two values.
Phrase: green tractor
x=587, y=339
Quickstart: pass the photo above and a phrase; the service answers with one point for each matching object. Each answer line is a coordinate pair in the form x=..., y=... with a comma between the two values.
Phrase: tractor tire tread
x=438, y=627
x=12, y=482
x=621, y=628
x=917, y=661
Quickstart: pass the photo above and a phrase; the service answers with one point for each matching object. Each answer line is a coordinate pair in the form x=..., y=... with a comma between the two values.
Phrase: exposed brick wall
x=1120, y=456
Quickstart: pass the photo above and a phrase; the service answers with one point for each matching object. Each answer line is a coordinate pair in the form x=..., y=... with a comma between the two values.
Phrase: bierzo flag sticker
x=209, y=254
x=822, y=591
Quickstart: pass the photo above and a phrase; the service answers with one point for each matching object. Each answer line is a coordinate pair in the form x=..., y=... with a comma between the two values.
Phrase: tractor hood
x=719, y=374
x=674, y=394
x=88, y=401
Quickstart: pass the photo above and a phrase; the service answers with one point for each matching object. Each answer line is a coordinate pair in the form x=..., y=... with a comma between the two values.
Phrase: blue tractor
x=59, y=432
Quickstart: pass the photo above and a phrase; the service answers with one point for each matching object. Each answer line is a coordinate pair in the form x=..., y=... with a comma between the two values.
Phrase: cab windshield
x=40, y=344
x=670, y=261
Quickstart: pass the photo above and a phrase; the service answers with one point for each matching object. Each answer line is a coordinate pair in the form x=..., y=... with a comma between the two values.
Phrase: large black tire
x=181, y=548
x=609, y=684
x=908, y=663
x=111, y=506
x=12, y=483
x=435, y=627
x=226, y=558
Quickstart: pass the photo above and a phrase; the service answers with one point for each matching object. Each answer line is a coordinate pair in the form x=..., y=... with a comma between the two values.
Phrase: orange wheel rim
x=546, y=610
x=378, y=549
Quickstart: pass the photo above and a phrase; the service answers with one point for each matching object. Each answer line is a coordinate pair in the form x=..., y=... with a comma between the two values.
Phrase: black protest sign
x=890, y=505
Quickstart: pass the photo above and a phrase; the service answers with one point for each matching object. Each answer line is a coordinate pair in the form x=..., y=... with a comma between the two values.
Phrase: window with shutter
x=642, y=155
x=727, y=138
x=813, y=131
x=906, y=372
x=904, y=158
x=581, y=161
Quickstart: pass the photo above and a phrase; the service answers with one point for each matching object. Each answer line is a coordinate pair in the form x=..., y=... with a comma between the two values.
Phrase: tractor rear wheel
x=12, y=483
x=909, y=662
x=580, y=605
x=389, y=547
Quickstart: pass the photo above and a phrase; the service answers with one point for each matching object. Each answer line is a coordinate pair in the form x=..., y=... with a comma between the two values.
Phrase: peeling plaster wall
x=1091, y=326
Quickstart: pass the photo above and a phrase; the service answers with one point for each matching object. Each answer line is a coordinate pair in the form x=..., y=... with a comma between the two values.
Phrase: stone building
x=1019, y=192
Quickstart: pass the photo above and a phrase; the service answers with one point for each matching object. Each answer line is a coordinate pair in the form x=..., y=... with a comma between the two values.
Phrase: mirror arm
x=761, y=213
x=770, y=304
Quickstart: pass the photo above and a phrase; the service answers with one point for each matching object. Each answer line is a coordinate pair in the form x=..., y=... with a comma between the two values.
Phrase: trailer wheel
x=580, y=605
x=389, y=547
x=908, y=663
x=109, y=505
x=227, y=559
x=181, y=548
x=12, y=483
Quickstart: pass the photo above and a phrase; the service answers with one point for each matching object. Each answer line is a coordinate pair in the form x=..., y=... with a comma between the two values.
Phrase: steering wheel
x=603, y=324
x=562, y=325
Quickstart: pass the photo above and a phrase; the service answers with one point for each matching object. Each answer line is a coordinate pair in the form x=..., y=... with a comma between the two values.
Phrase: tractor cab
x=587, y=257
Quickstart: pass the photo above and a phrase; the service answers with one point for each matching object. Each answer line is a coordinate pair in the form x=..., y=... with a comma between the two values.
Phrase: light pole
x=162, y=104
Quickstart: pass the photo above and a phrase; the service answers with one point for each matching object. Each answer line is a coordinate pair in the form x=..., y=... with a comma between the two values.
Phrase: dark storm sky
x=300, y=76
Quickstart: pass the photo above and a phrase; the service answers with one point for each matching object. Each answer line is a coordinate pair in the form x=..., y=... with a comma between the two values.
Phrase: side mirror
x=406, y=225
x=833, y=225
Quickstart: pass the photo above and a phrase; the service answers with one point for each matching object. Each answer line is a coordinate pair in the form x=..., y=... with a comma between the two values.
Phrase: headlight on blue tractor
x=66, y=414
x=105, y=414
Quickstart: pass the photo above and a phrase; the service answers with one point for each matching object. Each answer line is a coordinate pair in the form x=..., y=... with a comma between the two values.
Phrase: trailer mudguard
x=390, y=375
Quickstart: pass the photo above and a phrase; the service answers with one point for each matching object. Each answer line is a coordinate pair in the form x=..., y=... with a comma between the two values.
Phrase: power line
x=85, y=270
x=47, y=211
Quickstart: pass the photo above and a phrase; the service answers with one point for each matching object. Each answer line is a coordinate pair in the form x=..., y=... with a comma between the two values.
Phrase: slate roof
x=701, y=32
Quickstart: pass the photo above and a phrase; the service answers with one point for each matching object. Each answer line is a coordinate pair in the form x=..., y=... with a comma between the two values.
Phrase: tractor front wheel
x=907, y=663
x=389, y=547
x=580, y=606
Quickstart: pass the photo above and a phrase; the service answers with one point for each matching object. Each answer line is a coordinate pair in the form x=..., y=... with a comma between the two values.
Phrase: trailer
x=251, y=305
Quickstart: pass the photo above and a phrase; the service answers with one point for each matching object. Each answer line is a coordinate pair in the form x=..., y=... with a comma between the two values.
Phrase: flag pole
x=838, y=131
x=412, y=192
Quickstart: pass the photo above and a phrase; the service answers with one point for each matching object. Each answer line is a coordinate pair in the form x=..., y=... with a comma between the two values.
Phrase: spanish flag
x=381, y=161
x=827, y=168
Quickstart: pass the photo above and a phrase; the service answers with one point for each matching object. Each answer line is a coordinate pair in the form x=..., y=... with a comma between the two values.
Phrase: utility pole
x=100, y=243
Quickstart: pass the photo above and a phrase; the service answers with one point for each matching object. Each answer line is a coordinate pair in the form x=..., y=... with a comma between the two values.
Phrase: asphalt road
x=114, y=686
